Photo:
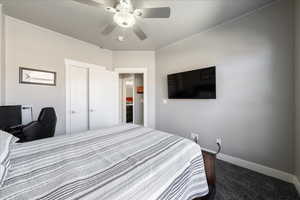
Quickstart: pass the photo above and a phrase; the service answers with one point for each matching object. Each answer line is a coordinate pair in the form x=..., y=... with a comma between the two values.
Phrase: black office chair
x=44, y=127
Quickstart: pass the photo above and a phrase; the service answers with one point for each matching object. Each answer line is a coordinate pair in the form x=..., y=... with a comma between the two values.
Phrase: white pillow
x=6, y=140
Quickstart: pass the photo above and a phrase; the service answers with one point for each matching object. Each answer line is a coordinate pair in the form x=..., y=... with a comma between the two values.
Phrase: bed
x=121, y=162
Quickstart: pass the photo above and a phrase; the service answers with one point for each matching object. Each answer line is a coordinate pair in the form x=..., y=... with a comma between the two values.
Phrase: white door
x=78, y=99
x=127, y=91
x=104, y=89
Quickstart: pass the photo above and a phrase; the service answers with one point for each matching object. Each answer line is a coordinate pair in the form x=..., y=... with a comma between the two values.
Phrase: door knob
x=73, y=111
x=92, y=110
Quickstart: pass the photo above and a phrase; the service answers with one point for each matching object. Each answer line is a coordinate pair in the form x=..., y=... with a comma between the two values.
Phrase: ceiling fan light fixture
x=125, y=20
x=138, y=12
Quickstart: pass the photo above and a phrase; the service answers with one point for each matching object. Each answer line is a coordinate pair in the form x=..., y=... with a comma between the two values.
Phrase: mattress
x=121, y=162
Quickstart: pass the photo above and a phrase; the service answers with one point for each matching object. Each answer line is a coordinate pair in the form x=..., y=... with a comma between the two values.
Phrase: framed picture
x=37, y=77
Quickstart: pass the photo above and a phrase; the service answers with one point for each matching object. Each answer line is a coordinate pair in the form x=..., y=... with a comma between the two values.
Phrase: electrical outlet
x=219, y=141
x=195, y=137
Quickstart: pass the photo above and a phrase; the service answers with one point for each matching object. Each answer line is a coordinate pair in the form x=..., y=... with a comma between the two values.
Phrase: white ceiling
x=85, y=23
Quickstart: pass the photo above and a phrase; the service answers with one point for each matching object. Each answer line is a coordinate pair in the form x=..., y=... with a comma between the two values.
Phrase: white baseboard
x=287, y=177
x=297, y=184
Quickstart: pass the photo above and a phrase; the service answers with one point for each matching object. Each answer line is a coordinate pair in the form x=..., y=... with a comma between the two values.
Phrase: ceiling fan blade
x=161, y=12
x=139, y=32
x=90, y=3
x=109, y=28
x=111, y=3
x=99, y=4
x=137, y=3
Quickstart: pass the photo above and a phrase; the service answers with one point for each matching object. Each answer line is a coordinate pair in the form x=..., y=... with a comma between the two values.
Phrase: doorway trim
x=68, y=64
x=136, y=70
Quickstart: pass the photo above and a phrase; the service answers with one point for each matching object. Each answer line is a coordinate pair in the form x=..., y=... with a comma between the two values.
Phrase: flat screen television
x=195, y=84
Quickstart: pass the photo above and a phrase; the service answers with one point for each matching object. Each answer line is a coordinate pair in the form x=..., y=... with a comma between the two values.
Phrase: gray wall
x=28, y=45
x=297, y=89
x=253, y=112
x=31, y=46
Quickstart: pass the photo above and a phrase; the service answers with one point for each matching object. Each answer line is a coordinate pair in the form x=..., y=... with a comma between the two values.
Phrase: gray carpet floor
x=236, y=183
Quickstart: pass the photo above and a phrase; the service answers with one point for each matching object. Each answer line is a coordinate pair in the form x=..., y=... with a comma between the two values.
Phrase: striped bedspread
x=125, y=162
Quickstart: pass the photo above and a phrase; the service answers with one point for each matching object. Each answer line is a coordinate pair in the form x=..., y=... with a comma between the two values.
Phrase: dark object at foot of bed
x=209, y=159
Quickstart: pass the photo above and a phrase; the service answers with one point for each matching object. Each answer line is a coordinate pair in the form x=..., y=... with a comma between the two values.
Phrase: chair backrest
x=44, y=127
x=48, y=119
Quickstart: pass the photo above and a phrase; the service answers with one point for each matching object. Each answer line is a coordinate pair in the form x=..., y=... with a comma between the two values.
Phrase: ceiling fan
x=125, y=14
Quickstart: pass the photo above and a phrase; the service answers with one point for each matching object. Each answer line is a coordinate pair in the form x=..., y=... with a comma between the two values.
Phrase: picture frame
x=36, y=77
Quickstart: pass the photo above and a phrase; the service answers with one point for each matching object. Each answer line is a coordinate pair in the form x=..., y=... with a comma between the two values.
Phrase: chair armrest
x=16, y=131
x=15, y=128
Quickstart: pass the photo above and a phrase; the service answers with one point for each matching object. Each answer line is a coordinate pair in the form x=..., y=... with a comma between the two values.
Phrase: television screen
x=196, y=84
x=10, y=116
